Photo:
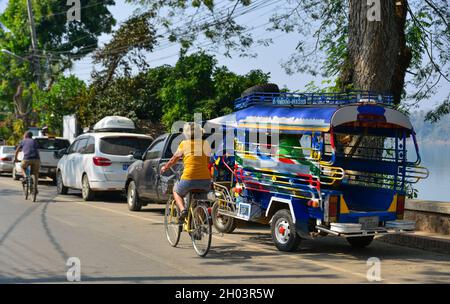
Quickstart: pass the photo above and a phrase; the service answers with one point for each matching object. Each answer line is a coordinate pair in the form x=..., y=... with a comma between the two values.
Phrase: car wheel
x=133, y=201
x=86, y=191
x=60, y=188
x=360, y=242
x=14, y=174
x=284, y=232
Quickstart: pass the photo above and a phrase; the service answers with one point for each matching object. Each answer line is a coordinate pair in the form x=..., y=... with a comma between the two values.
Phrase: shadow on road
x=50, y=235
x=136, y=279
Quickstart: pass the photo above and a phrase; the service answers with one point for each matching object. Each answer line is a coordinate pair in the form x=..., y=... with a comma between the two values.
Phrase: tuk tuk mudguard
x=297, y=209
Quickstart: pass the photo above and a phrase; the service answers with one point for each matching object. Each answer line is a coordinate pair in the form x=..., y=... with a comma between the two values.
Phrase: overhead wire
x=243, y=10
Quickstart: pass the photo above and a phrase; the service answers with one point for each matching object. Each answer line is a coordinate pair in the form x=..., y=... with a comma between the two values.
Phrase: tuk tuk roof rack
x=301, y=99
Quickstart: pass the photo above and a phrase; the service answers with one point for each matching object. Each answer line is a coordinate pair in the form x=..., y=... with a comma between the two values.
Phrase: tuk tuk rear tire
x=229, y=227
x=293, y=239
x=360, y=242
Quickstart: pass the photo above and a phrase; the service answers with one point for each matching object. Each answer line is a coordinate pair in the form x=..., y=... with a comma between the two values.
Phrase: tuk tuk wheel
x=223, y=224
x=284, y=232
x=360, y=242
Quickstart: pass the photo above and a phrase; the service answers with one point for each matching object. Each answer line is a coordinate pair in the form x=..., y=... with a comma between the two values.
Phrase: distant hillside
x=438, y=133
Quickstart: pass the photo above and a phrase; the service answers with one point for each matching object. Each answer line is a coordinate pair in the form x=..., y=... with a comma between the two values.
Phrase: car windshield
x=52, y=144
x=123, y=145
x=8, y=150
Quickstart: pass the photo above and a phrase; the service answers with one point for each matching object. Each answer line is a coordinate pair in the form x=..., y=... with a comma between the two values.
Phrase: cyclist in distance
x=30, y=156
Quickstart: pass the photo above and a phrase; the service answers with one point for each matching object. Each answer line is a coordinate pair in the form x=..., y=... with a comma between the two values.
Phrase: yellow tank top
x=195, y=158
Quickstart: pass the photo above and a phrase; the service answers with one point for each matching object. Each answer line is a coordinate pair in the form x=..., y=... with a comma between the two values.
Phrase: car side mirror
x=138, y=155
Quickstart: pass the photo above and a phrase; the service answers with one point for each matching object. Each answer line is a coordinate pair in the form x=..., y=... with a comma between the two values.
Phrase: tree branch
x=437, y=12
x=417, y=22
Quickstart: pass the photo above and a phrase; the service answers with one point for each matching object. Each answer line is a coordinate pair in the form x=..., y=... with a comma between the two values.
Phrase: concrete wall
x=430, y=216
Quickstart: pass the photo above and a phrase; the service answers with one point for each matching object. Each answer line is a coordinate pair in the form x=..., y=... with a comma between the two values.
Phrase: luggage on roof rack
x=301, y=99
x=114, y=124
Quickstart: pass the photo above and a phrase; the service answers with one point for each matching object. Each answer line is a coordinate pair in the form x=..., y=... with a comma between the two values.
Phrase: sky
x=269, y=58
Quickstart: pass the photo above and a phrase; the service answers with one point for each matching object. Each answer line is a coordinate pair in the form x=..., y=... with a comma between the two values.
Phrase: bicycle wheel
x=201, y=230
x=33, y=187
x=25, y=187
x=171, y=225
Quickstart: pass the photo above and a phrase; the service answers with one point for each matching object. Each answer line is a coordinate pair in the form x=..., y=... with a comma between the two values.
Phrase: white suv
x=99, y=161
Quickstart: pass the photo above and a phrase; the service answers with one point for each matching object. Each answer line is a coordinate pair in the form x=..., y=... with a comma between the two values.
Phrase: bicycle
x=198, y=222
x=29, y=185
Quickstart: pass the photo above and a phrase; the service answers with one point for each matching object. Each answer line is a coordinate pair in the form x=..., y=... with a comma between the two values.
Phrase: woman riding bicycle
x=196, y=175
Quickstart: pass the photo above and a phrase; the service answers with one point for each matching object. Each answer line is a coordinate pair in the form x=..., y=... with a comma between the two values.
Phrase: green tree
x=64, y=97
x=189, y=83
x=136, y=97
x=197, y=85
x=59, y=43
x=165, y=94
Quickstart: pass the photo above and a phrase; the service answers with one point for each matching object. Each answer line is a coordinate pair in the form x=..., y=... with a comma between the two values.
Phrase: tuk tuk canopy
x=320, y=118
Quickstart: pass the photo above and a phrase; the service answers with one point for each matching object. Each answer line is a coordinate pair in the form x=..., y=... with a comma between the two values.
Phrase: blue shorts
x=183, y=186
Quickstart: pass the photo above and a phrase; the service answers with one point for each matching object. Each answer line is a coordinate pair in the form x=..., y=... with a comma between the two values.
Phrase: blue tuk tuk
x=312, y=165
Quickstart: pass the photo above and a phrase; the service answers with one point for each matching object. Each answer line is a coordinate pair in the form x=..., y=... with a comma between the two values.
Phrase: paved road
x=116, y=246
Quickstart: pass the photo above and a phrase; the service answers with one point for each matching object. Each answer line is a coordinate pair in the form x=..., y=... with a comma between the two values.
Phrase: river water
x=436, y=158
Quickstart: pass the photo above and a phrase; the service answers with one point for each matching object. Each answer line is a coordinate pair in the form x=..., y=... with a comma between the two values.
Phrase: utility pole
x=37, y=67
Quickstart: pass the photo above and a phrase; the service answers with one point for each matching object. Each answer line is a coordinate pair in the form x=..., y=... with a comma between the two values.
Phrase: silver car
x=7, y=159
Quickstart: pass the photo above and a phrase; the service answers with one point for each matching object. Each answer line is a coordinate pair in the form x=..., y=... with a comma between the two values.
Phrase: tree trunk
x=377, y=60
x=377, y=53
x=22, y=105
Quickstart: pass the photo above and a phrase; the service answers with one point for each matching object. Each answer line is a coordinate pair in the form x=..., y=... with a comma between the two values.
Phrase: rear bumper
x=6, y=167
x=355, y=230
x=107, y=185
x=47, y=171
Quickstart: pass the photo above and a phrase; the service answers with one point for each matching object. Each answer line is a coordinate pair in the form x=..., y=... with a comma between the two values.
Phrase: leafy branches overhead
x=205, y=20
x=322, y=28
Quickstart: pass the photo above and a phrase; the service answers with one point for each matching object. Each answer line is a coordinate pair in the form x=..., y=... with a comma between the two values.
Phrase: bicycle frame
x=187, y=221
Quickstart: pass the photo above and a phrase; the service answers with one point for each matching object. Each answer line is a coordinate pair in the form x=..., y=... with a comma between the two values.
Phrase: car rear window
x=52, y=144
x=123, y=145
x=7, y=150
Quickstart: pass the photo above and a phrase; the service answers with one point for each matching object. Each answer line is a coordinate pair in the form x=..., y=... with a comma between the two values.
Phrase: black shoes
x=183, y=215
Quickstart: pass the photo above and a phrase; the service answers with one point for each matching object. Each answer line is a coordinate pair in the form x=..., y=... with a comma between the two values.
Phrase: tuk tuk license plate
x=369, y=222
x=244, y=211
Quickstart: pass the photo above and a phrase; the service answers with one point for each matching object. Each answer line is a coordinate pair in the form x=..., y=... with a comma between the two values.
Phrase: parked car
x=143, y=180
x=47, y=146
x=98, y=161
x=7, y=159
x=144, y=183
